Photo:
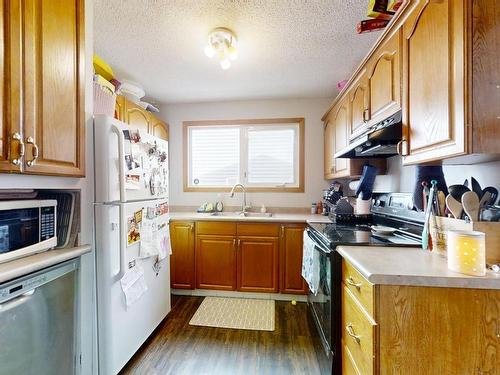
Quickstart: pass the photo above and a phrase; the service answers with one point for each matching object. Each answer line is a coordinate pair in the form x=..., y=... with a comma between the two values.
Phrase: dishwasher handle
x=16, y=301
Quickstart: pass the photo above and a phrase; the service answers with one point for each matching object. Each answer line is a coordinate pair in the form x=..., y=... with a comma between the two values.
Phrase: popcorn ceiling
x=287, y=48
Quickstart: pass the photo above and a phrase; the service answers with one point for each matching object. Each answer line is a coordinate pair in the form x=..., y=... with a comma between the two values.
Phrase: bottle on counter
x=319, y=207
x=313, y=208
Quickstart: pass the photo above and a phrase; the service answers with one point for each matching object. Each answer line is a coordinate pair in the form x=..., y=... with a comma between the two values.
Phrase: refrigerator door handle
x=121, y=160
x=123, y=242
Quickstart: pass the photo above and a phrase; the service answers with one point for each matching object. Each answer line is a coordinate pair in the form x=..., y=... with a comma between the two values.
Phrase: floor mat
x=238, y=313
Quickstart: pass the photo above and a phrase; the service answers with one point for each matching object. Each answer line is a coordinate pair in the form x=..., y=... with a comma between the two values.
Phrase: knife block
x=440, y=225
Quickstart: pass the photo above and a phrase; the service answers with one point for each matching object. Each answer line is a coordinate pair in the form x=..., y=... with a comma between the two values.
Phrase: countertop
x=23, y=266
x=411, y=266
x=277, y=217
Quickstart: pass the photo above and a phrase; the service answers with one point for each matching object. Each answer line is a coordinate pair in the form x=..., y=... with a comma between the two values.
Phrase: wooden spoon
x=470, y=202
x=454, y=206
x=485, y=199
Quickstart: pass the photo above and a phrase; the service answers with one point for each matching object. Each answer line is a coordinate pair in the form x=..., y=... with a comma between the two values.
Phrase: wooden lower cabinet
x=182, y=266
x=216, y=262
x=291, y=280
x=258, y=264
x=248, y=257
x=416, y=330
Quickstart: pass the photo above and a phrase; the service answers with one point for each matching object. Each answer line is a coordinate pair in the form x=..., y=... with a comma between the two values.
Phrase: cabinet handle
x=17, y=137
x=399, y=147
x=234, y=243
x=351, y=282
x=366, y=115
x=34, y=151
x=239, y=243
x=350, y=332
x=191, y=227
x=282, y=231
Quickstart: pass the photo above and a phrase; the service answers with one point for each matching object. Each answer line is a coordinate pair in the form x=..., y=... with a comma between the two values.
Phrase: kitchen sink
x=244, y=214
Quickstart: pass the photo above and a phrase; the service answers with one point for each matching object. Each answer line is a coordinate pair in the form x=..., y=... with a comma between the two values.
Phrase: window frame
x=275, y=122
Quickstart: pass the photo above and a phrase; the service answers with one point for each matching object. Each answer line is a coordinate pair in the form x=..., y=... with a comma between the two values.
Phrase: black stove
x=403, y=226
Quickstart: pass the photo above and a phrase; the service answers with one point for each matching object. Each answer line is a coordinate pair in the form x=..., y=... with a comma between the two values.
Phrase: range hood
x=379, y=140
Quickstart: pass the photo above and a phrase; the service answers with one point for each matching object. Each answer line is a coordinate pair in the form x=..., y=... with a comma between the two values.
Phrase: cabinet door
x=384, y=80
x=182, y=271
x=433, y=80
x=257, y=264
x=329, y=139
x=120, y=108
x=291, y=280
x=136, y=117
x=54, y=87
x=359, y=98
x=159, y=128
x=216, y=262
x=10, y=75
x=341, y=138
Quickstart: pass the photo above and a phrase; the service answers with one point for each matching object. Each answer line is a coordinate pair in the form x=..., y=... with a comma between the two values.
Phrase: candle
x=466, y=252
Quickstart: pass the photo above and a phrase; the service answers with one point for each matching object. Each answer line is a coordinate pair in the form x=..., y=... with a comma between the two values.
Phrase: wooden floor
x=180, y=349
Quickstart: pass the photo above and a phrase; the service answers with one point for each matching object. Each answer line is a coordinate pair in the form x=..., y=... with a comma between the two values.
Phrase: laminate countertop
x=411, y=266
x=276, y=217
x=23, y=266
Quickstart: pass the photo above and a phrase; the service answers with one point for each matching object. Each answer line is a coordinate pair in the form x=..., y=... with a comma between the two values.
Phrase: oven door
x=22, y=232
x=321, y=302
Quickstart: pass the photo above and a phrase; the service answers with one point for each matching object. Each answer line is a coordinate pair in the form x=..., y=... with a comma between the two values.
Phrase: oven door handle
x=317, y=245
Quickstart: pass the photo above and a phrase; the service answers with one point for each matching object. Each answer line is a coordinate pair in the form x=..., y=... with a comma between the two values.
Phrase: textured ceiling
x=287, y=48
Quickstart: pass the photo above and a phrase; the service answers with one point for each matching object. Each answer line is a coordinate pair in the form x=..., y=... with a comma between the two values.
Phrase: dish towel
x=310, y=264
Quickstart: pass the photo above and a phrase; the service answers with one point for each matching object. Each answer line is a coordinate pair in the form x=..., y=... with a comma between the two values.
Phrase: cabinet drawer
x=361, y=288
x=358, y=333
x=216, y=228
x=349, y=367
x=258, y=229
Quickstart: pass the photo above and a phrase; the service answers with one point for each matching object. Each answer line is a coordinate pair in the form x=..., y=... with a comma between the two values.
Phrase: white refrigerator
x=132, y=241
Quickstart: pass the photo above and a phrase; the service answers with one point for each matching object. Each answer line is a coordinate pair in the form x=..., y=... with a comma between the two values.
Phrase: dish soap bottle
x=219, y=206
x=263, y=209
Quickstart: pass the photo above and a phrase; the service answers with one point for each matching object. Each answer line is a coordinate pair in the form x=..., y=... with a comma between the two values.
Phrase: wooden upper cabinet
x=10, y=75
x=54, y=87
x=384, y=80
x=434, y=62
x=329, y=148
x=291, y=280
x=359, y=104
x=182, y=263
x=341, y=120
x=257, y=264
x=159, y=129
x=137, y=117
x=216, y=262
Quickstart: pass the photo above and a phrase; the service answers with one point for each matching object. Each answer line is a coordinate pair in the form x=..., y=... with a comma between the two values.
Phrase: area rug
x=237, y=313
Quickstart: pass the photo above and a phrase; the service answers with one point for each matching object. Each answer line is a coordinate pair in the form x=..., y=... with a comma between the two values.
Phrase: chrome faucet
x=244, y=206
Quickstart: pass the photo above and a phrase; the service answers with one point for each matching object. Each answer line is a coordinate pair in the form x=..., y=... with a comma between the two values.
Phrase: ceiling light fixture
x=222, y=43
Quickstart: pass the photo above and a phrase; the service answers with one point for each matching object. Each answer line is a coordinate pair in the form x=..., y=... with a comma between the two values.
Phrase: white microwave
x=27, y=227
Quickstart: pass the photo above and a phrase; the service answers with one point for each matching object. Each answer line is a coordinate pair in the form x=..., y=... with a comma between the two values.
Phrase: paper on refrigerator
x=133, y=285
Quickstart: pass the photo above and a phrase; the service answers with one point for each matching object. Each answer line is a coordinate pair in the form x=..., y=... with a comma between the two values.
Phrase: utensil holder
x=440, y=225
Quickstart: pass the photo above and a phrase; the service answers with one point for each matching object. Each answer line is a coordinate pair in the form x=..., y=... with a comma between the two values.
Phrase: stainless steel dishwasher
x=38, y=322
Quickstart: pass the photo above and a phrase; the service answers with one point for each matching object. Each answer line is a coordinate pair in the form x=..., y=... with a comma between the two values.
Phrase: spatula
x=485, y=199
x=476, y=188
x=494, y=195
x=457, y=191
x=470, y=202
x=454, y=206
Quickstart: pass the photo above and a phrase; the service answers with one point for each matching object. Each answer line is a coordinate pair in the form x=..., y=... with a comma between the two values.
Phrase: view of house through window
x=261, y=154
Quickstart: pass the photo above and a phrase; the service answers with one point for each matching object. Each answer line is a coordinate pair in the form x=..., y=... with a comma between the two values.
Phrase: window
x=264, y=155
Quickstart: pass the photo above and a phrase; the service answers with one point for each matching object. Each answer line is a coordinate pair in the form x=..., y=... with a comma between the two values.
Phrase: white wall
x=401, y=178
x=86, y=185
x=311, y=109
